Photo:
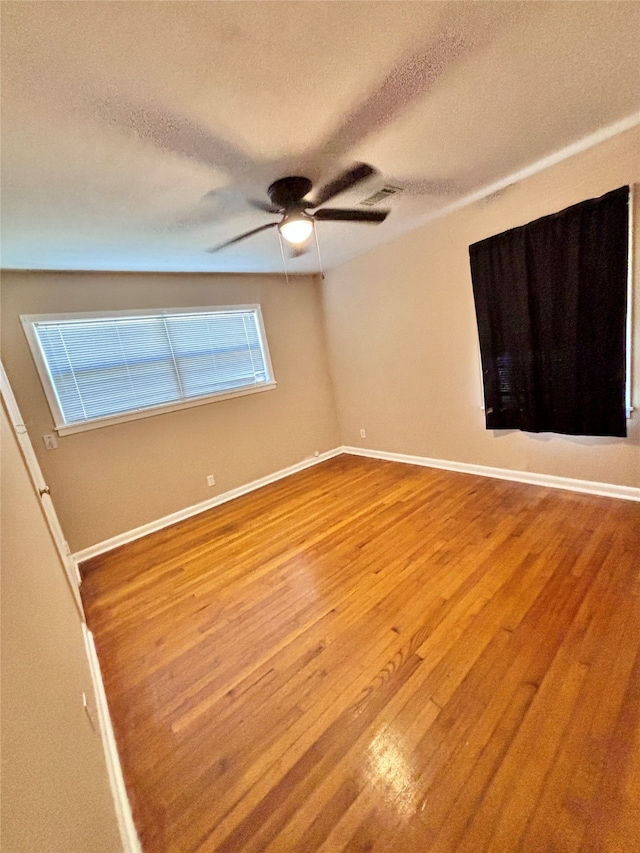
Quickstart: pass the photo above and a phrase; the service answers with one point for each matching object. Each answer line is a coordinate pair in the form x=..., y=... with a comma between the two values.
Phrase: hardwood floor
x=370, y=656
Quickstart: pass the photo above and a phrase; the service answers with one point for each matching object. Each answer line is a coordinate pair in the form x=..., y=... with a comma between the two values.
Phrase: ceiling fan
x=287, y=196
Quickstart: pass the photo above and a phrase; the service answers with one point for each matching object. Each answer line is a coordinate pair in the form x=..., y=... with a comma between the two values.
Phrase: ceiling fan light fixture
x=288, y=198
x=296, y=228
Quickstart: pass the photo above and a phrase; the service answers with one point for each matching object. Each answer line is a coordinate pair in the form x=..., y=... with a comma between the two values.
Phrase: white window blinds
x=100, y=367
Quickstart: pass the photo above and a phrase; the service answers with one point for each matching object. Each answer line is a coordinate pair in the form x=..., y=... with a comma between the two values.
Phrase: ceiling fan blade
x=331, y=214
x=344, y=182
x=241, y=237
x=263, y=205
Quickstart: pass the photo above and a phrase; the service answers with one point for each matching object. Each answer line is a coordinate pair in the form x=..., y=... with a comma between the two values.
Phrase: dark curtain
x=551, y=303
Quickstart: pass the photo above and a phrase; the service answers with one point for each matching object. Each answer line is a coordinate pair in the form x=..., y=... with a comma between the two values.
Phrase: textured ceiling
x=134, y=132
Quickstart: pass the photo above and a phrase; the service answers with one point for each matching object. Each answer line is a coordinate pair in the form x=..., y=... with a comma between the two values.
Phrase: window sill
x=98, y=423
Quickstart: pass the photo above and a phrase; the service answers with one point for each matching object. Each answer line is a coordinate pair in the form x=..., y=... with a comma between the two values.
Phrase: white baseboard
x=610, y=490
x=187, y=512
x=128, y=834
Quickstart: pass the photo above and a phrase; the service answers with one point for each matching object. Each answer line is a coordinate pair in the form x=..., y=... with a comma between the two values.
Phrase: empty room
x=320, y=380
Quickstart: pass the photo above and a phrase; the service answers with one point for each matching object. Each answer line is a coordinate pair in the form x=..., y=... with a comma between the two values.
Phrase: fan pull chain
x=315, y=234
x=284, y=263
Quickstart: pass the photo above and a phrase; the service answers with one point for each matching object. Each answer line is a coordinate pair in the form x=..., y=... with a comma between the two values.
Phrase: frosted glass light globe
x=296, y=229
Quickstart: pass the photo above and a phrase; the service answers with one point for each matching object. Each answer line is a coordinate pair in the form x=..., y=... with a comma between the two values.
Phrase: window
x=117, y=366
x=551, y=303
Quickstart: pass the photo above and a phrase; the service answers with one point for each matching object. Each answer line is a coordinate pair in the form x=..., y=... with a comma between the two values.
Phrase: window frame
x=64, y=428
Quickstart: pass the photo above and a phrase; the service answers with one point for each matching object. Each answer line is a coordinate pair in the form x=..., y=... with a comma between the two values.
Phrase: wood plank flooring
x=370, y=656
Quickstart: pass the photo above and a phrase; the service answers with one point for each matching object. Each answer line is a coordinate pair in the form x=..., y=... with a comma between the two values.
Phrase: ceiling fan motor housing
x=288, y=192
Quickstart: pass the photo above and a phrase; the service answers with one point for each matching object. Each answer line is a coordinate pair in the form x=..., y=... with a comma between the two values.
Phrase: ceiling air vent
x=381, y=195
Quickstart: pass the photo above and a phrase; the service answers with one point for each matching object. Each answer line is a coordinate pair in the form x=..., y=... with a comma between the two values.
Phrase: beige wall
x=55, y=791
x=403, y=339
x=404, y=365
x=110, y=480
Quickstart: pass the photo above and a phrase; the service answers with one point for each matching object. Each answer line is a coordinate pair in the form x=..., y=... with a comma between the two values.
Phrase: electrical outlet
x=211, y=480
x=50, y=441
x=363, y=433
